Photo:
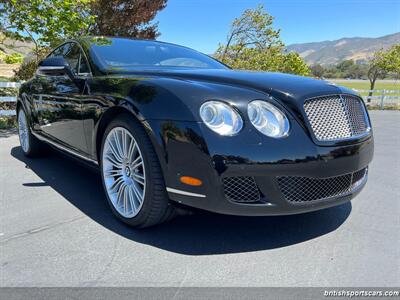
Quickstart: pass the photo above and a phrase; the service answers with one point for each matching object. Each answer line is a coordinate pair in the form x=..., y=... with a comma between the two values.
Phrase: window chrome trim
x=45, y=68
x=71, y=41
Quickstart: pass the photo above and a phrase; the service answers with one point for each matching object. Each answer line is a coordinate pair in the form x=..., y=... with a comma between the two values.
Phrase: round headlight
x=221, y=118
x=268, y=119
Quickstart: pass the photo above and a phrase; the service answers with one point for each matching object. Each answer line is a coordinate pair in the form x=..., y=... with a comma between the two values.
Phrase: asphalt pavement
x=56, y=230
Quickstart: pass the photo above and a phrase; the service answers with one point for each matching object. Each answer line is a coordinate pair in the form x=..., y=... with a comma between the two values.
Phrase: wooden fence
x=380, y=98
x=10, y=99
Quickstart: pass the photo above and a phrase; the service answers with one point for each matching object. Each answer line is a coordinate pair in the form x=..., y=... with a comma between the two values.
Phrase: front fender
x=24, y=101
x=153, y=98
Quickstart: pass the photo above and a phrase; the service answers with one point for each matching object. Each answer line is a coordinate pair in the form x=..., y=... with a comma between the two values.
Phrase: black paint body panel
x=167, y=103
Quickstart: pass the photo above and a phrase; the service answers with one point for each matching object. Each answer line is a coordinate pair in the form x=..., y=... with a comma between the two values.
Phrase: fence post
x=383, y=98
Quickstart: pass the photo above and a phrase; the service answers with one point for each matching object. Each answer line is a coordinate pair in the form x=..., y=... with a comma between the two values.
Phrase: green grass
x=364, y=85
x=5, y=79
x=379, y=85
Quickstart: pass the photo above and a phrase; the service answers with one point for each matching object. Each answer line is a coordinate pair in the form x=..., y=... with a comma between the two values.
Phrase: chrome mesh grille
x=304, y=189
x=358, y=177
x=241, y=189
x=336, y=117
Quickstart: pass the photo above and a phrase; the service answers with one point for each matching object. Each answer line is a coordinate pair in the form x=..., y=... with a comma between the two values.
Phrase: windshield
x=125, y=54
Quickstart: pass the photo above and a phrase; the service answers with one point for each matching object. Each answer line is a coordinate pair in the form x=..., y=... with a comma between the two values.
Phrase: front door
x=58, y=101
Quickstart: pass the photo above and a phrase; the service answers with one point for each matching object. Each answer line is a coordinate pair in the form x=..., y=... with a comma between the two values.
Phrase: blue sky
x=202, y=24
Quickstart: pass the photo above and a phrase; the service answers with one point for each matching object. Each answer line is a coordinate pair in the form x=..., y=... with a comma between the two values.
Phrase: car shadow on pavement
x=199, y=234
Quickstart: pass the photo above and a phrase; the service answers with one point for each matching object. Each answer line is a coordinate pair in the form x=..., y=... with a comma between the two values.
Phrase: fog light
x=190, y=180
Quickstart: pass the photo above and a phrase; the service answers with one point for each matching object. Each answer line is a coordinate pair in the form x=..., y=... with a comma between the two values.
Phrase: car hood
x=286, y=87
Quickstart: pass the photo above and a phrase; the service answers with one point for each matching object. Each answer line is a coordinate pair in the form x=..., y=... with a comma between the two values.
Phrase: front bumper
x=190, y=149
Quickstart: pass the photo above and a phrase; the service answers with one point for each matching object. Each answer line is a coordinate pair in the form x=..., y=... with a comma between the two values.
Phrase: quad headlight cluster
x=226, y=120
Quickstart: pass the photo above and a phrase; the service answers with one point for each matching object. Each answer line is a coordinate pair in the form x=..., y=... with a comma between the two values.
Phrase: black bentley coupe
x=168, y=126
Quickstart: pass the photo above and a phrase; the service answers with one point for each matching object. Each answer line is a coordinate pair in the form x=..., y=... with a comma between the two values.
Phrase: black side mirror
x=56, y=65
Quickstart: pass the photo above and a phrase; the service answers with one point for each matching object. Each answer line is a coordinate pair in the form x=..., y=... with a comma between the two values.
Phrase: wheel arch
x=126, y=108
x=107, y=116
x=18, y=106
x=21, y=104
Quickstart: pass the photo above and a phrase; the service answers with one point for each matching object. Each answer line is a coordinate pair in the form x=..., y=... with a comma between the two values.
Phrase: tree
x=48, y=22
x=252, y=29
x=394, y=60
x=356, y=71
x=382, y=63
x=349, y=69
x=317, y=71
x=344, y=65
x=253, y=44
x=294, y=64
x=14, y=58
x=44, y=22
x=126, y=18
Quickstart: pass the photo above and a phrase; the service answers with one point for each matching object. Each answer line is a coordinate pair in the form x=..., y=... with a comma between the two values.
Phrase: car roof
x=90, y=40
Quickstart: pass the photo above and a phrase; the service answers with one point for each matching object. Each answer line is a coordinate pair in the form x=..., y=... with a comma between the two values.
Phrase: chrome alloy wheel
x=23, y=131
x=123, y=172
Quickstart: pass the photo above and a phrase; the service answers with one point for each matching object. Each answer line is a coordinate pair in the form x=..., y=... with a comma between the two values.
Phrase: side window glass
x=72, y=56
x=60, y=50
x=83, y=65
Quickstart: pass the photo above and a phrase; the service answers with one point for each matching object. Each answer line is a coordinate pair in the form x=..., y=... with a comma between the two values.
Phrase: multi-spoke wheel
x=131, y=174
x=23, y=131
x=30, y=145
x=124, y=172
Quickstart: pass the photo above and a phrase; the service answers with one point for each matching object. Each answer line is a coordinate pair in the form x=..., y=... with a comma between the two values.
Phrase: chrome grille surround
x=337, y=117
x=241, y=189
x=298, y=189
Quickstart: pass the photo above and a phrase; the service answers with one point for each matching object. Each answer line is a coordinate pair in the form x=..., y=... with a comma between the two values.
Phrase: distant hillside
x=331, y=52
x=10, y=46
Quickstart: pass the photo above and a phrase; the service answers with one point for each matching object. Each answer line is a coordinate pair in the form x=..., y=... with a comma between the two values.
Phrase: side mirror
x=56, y=65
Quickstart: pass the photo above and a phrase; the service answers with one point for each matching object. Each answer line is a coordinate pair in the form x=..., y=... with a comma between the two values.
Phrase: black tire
x=155, y=208
x=35, y=147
